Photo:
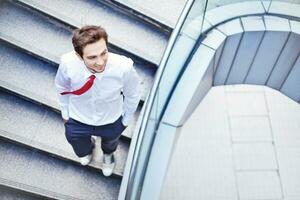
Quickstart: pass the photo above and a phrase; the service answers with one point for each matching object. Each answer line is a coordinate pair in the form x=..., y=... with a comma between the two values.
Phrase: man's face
x=95, y=56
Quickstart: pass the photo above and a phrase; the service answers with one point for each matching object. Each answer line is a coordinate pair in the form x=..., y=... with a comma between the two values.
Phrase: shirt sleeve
x=131, y=91
x=62, y=84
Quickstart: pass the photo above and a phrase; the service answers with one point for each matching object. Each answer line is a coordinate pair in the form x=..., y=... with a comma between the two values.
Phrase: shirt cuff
x=65, y=114
x=126, y=119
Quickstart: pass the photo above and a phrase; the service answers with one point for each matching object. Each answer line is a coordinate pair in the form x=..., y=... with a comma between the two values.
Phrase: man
x=90, y=82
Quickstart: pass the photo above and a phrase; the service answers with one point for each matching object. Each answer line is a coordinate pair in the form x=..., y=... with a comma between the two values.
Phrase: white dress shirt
x=102, y=103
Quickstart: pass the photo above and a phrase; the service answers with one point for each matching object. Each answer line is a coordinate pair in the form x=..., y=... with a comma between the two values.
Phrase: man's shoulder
x=120, y=60
x=69, y=57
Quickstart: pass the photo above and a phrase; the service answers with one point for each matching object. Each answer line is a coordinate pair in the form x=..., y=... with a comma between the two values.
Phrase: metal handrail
x=128, y=181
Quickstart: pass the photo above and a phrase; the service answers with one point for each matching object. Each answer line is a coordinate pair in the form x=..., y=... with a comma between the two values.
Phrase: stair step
x=37, y=173
x=165, y=13
x=34, y=30
x=40, y=128
x=20, y=73
x=137, y=14
x=137, y=38
x=8, y=193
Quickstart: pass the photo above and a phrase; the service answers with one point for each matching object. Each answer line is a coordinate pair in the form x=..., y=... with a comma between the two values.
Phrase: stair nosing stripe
x=165, y=28
x=34, y=190
x=53, y=60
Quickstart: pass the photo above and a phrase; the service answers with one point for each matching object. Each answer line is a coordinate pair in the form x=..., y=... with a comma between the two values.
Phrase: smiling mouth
x=98, y=69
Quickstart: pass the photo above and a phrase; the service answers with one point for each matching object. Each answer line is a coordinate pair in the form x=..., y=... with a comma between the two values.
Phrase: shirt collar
x=87, y=72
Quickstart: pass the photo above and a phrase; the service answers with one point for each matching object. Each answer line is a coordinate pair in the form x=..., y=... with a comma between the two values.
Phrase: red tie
x=84, y=88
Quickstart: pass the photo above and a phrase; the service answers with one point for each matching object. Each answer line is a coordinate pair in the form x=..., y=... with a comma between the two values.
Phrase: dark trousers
x=79, y=136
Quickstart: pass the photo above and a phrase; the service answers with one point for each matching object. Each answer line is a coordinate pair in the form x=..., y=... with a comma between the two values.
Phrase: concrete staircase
x=36, y=160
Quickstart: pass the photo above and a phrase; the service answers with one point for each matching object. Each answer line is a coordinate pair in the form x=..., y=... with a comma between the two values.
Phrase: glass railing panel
x=173, y=61
x=218, y=3
x=197, y=17
x=288, y=1
x=142, y=145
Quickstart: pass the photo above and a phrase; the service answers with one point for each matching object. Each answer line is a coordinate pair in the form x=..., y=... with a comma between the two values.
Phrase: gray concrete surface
x=20, y=70
x=242, y=142
x=8, y=193
x=34, y=29
x=47, y=176
x=166, y=12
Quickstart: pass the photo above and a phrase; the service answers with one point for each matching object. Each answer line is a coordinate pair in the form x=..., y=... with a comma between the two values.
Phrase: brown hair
x=87, y=35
